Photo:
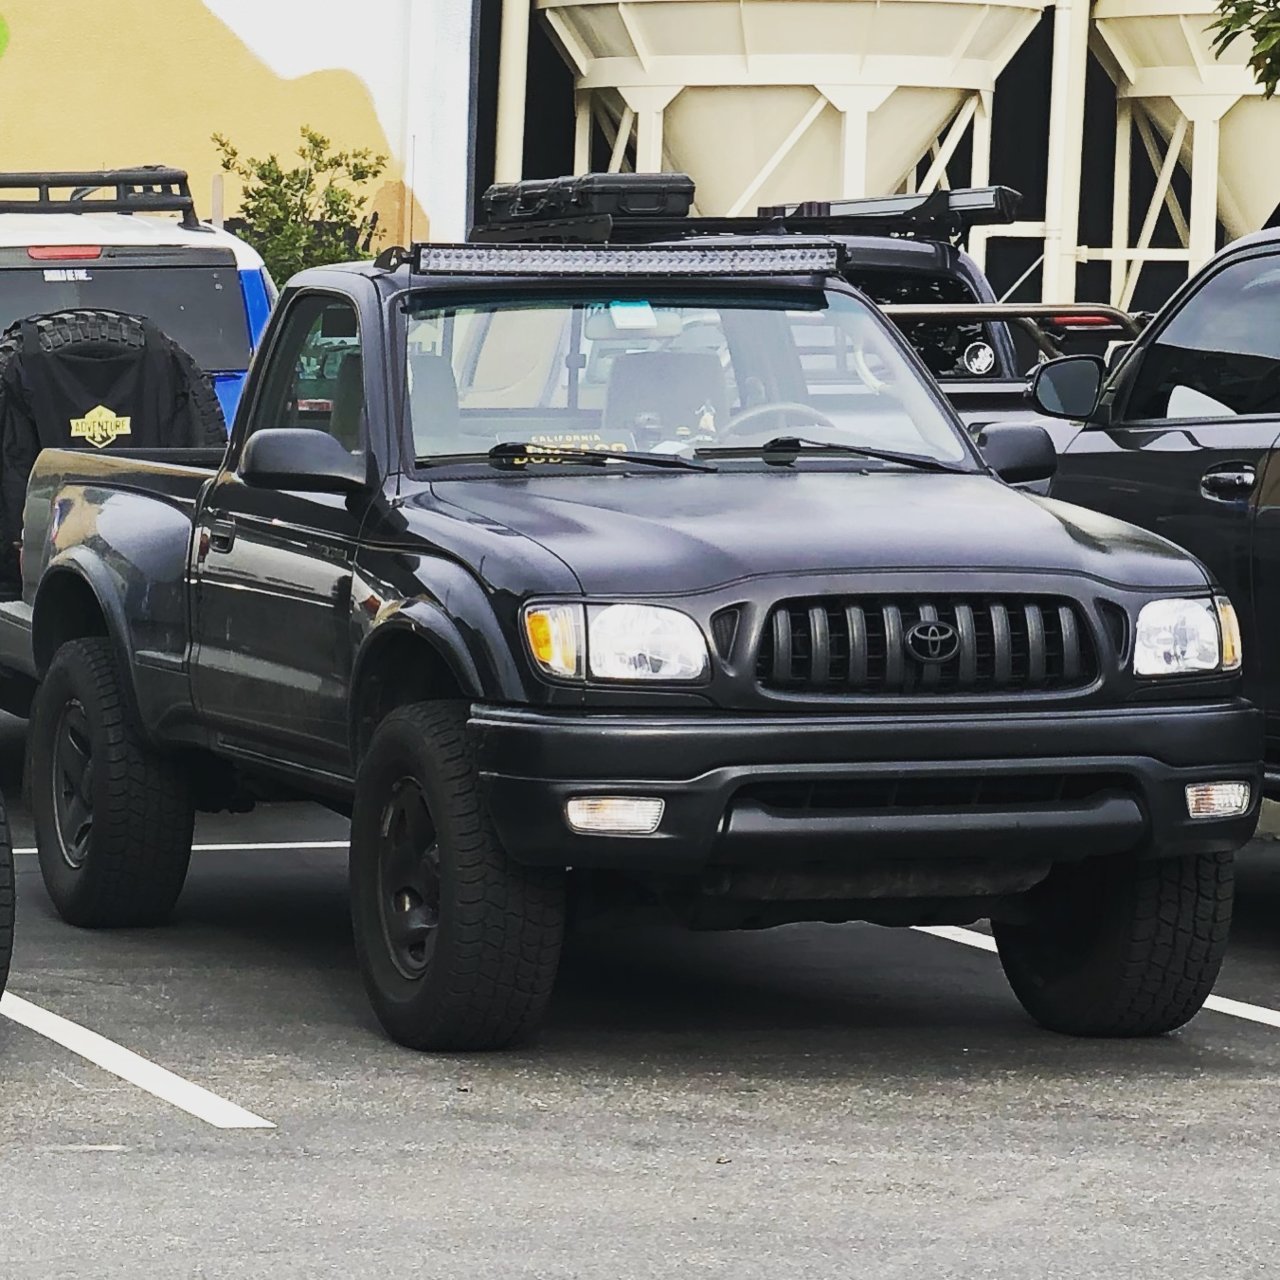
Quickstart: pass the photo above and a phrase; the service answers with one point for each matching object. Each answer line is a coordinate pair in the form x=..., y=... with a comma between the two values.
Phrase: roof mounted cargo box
x=641, y=208
x=621, y=195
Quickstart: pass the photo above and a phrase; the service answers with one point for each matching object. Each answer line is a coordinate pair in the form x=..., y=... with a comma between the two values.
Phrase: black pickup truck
x=1182, y=436
x=585, y=577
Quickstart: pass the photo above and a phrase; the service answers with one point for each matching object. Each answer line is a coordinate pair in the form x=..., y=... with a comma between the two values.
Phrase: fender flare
x=78, y=563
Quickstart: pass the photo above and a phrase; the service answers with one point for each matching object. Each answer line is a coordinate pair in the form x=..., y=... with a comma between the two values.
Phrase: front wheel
x=1117, y=947
x=458, y=946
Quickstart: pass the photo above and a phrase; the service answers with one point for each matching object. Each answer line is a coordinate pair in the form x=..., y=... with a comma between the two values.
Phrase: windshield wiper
x=521, y=453
x=782, y=451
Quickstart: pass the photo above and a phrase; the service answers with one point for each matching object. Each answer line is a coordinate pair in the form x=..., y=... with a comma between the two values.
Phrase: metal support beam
x=621, y=139
x=1153, y=211
x=1152, y=148
x=513, y=64
x=783, y=150
x=582, y=131
x=937, y=172
x=1120, y=182
x=1066, y=131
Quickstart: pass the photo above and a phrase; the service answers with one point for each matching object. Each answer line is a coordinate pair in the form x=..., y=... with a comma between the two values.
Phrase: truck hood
x=642, y=533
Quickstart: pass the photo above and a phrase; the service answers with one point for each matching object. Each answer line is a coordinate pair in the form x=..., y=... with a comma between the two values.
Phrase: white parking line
x=129, y=1066
x=1218, y=1004
x=250, y=846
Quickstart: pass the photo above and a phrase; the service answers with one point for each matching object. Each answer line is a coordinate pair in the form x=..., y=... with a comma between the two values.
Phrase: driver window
x=1219, y=357
x=316, y=377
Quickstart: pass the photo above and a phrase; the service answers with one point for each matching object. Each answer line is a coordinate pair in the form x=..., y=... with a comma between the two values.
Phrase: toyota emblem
x=932, y=642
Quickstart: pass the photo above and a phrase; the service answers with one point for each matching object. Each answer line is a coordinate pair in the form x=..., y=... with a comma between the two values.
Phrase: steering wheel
x=791, y=407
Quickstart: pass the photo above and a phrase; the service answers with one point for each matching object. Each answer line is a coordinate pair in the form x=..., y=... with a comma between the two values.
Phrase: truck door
x=273, y=567
x=1196, y=414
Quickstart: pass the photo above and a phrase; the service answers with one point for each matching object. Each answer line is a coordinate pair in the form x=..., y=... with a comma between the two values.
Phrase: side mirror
x=1068, y=387
x=302, y=459
x=1018, y=454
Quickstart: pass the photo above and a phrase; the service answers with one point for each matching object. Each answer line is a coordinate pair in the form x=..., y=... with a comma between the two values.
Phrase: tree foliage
x=308, y=215
x=1260, y=21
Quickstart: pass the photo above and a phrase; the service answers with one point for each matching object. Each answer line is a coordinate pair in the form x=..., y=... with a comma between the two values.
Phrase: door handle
x=222, y=534
x=1228, y=484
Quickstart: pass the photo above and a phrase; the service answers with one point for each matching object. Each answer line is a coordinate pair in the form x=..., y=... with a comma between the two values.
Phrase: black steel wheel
x=409, y=878
x=113, y=818
x=73, y=784
x=458, y=945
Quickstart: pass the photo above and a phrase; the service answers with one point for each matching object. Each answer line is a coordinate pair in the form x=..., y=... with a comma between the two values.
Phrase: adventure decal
x=99, y=427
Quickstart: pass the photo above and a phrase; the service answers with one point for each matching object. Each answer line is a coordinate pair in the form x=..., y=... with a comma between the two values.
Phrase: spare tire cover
x=92, y=379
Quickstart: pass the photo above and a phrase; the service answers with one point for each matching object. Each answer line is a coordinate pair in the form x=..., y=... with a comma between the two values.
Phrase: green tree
x=311, y=214
x=1260, y=20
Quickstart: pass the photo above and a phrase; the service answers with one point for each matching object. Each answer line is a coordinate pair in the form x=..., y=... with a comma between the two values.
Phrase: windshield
x=200, y=308
x=666, y=372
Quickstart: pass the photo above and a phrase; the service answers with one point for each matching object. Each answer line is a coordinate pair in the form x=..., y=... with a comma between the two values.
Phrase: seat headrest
x=666, y=389
x=348, y=400
x=433, y=402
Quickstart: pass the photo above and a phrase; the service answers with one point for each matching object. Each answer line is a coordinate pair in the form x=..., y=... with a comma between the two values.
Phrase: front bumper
x=1065, y=784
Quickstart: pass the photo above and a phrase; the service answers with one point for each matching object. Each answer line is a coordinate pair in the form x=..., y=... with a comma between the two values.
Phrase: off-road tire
x=1119, y=947
x=488, y=975
x=138, y=843
x=7, y=892
x=90, y=332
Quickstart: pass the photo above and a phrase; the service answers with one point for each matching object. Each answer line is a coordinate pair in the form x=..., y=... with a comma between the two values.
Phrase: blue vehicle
x=110, y=240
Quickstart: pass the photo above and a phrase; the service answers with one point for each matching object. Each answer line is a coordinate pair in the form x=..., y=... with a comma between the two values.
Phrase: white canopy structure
x=775, y=101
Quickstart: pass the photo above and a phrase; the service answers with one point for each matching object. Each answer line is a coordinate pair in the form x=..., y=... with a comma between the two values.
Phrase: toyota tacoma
x=592, y=573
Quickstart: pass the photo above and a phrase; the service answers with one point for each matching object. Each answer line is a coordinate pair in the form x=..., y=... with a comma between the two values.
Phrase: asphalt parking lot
x=809, y=1102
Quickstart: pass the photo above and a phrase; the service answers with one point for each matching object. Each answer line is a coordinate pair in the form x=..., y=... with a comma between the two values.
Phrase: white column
x=1121, y=179
x=1066, y=145
x=649, y=102
x=582, y=131
x=513, y=63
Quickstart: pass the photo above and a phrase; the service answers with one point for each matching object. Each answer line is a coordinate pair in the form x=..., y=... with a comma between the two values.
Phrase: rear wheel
x=113, y=818
x=1118, y=947
x=458, y=945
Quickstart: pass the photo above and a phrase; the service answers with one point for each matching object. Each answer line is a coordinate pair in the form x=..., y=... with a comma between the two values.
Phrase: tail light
x=63, y=252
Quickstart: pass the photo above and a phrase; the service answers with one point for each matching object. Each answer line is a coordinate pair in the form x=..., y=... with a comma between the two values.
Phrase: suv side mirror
x=303, y=459
x=1068, y=387
x=1018, y=454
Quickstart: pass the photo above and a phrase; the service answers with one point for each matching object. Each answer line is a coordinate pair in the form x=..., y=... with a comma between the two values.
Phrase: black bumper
x=1056, y=784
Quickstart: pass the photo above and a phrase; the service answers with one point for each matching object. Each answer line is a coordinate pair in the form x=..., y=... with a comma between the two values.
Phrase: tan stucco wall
x=103, y=83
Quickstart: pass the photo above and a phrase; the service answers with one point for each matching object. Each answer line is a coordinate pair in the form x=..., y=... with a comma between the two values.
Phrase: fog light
x=615, y=815
x=1218, y=799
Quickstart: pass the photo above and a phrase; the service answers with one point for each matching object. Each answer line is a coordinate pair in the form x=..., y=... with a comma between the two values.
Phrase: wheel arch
x=70, y=605
x=416, y=656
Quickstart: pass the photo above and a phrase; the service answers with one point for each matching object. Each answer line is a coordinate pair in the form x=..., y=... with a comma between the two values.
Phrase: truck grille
x=967, y=644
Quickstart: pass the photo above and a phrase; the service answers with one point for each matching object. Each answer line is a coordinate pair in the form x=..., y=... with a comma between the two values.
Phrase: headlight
x=644, y=642
x=1181, y=637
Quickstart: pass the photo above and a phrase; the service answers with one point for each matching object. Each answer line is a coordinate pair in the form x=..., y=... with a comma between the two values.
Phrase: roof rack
x=941, y=215
x=146, y=189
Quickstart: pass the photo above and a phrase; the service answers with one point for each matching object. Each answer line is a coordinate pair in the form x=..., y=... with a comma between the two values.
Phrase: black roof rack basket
x=940, y=215
x=146, y=189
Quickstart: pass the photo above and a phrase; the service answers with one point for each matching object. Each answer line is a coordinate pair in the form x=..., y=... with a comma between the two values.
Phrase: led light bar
x=624, y=260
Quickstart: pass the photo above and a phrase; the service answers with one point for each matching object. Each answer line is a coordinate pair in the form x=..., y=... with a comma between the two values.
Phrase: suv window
x=316, y=376
x=1219, y=356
